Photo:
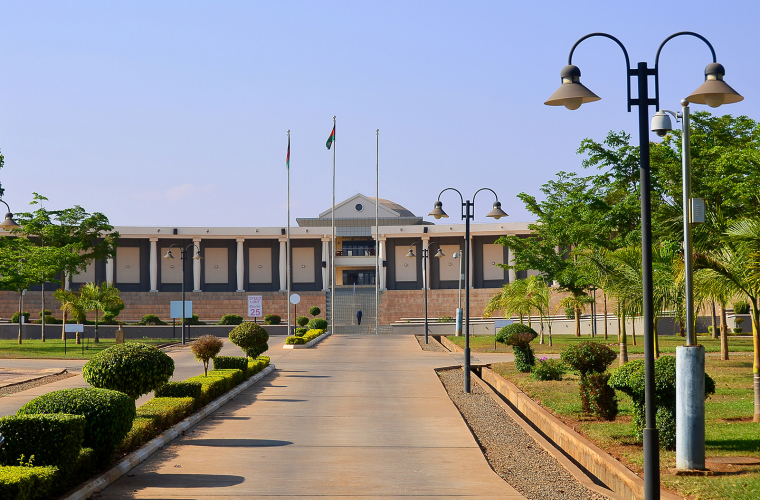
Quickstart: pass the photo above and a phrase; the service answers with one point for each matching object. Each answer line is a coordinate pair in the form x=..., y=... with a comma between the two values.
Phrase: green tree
x=100, y=298
x=71, y=303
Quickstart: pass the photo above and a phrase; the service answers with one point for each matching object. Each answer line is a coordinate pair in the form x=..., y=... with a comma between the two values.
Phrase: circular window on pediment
x=359, y=207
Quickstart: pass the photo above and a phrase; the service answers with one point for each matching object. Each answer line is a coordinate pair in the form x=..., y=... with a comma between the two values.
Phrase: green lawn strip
x=485, y=343
x=729, y=428
x=53, y=348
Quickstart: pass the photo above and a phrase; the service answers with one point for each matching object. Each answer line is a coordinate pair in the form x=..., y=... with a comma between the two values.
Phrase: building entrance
x=359, y=277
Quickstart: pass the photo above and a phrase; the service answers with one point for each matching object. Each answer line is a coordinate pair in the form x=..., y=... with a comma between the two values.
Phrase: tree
x=72, y=303
x=100, y=298
x=205, y=348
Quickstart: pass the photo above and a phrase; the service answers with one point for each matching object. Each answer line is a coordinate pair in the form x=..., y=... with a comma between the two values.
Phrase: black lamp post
x=183, y=256
x=467, y=207
x=713, y=92
x=411, y=255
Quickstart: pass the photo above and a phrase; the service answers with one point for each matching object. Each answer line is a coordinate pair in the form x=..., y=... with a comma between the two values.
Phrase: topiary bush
x=108, y=414
x=230, y=362
x=299, y=332
x=272, y=319
x=251, y=338
x=591, y=360
x=53, y=439
x=519, y=336
x=629, y=379
x=205, y=348
x=548, y=369
x=314, y=311
x=134, y=369
x=741, y=307
x=317, y=324
x=230, y=319
x=302, y=321
x=151, y=319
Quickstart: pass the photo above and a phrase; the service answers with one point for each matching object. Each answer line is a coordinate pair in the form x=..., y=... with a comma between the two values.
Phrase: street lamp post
x=183, y=256
x=411, y=255
x=712, y=92
x=467, y=207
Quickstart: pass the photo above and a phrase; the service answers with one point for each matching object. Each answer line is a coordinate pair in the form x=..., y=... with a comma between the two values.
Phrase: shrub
x=317, y=324
x=314, y=311
x=85, y=465
x=53, y=439
x=212, y=388
x=45, y=313
x=299, y=332
x=741, y=307
x=306, y=337
x=231, y=319
x=295, y=340
x=548, y=369
x=193, y=320
x=629, y=379
x=107, y=319
x=108, y=414
x=180, y=390
x=251, y=338
x=206, y=348
x=14, y=318
x=165, y=412
x=52, y=320
x=151, y=319
x=738, y=330
x=256, y=365
x=27, y=483
x=234, y=376
x=134, y=369
x=519, y=337
x=230, y=362
x=272, y=319
x=444, y=319
x=591, y=360
x=142, y=431
x=302, y=321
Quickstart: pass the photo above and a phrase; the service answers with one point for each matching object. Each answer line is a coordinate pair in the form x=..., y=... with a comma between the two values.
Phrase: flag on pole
x=287, y=158
x=331, y=139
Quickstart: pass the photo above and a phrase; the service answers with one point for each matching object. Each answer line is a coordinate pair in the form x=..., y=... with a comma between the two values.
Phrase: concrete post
x=690, y=407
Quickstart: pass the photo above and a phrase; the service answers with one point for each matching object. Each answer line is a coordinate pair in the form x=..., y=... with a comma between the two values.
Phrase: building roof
x=392, y=205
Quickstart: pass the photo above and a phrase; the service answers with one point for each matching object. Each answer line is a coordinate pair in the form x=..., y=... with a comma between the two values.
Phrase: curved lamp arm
x=625, y=53
x=657, y=60
x=6, y=205
x=451, y=189
x=484, y=189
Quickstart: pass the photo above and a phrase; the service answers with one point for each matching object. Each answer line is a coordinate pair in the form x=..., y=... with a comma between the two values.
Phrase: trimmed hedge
x=212, y=388
x=27, y=483
x=302, y=321
x=299, y=332
x=165, y=412
x=251, y=338
x=142, y=431
x=179, y=390
x=317, y=324
x=108, y=414
x=272, y=319
x=53, y=439
x=231, y=319
x=134, y=369
x=307, y=337
x=233, y=375
x=231, y=362
x=256, y=365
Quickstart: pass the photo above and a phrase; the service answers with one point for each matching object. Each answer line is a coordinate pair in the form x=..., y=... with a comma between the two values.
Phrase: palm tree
x=512, y=299
x=70, y=303
x=577, y=303
x=100, y=298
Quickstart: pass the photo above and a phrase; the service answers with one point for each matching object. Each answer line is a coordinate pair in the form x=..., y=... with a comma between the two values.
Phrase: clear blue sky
x=175, y=113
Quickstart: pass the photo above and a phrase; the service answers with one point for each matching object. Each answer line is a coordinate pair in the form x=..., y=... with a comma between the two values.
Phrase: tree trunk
x=714, y=321
x=756, y=361
x=577, y=322
x=619, y=328
x=541, y=336
x=623, y=343
x=550, y=335
x=681, y=331
x=723, y=333
x=63, y=327
x=605, y=316
x=656, y=339
x=633, y=328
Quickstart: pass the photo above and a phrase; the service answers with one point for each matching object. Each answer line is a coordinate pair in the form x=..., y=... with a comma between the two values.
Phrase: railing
x=359, y=252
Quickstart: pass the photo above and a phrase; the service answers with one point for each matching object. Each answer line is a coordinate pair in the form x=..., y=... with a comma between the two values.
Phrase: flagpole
x=377, y=230
x=287, y=246
x=334, y=246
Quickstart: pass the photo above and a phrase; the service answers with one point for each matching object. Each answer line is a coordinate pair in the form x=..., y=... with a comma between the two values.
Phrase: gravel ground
x=4, y=391
x=432, y=345
x=510, y=451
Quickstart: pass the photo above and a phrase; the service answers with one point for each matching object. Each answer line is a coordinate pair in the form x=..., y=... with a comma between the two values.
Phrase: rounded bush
x=299, y=332
x=134, y=369
x=317, y=324
x=151, y=319
x=272, y=319
x=251, y=338
x=516, y=334
x=108, y=414
x=588, y=357
x=302, y=321
x=231, y=319
x=548, y=369
x=314, y=311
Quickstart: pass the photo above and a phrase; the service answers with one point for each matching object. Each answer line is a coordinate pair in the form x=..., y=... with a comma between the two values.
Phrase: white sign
x=255, y=306
x=498, y=324
x=175, y=309
x=74, y=328
x=295, y=298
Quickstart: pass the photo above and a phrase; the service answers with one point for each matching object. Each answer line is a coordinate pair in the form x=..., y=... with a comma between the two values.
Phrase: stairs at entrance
x=348, y=300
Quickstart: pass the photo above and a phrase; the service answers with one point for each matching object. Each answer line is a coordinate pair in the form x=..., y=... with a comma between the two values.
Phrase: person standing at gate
x=359, y=316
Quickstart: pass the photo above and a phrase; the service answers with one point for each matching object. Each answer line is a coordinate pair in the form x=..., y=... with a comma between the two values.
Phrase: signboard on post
x=74, y=328
x=175, y=309
x=255, y=306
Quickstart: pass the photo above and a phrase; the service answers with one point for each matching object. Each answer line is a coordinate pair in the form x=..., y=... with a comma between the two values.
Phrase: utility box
x=697, y=210
x=119, y=336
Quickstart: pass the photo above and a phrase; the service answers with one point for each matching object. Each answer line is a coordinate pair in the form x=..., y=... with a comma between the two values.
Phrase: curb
x=308, y=344
x=137, y=457
x=31, y=378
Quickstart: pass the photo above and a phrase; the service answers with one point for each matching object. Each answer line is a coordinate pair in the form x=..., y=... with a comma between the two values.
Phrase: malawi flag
x=287, y=158
x=331, y=139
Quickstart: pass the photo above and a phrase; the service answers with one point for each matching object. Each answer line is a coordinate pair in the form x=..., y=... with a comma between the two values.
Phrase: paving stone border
x=137, y=457
x=308, y=344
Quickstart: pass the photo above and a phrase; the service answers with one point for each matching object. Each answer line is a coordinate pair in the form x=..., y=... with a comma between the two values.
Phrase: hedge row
x=307, y=337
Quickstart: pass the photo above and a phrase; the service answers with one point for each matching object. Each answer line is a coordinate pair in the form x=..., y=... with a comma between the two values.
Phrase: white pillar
x=472, y=263
x=326, y=266
x=153, y=265
x=381, y=269
x=511, y=260
x=426, y=278
x=283, y=266
x=196, y=266
x=240, y=265
x=109, y=270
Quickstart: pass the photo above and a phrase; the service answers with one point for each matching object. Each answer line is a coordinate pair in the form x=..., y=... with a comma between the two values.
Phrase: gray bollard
x=690, y=407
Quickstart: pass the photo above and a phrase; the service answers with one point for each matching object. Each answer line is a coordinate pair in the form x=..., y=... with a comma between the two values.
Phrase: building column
x=196, y=267
x=326, y=266
x=153, y=265
x=109, y=270
x=426, y=245
x=511, y=261
x=381, y=269
x=283, y=265
x=240, y=265
x=472, y=264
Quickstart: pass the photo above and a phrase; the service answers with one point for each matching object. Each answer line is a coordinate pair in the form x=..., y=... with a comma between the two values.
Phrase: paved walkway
x=357, y=416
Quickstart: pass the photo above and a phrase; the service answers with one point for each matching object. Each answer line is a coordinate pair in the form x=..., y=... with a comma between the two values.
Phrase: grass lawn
x=729, y=428
x=485, y=343
x=53, y=348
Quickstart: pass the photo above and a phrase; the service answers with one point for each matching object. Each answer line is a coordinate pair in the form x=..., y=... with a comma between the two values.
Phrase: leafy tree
x=100, y=298
x=205, y=349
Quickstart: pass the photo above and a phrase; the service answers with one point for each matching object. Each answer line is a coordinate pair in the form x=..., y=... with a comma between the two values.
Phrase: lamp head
x=197, y=255
x=438, y=211
x=169, y=255
x=661, y=124
x=571, y=94
x=497, y=212
x=8, y=223
x=714, y=91
x=410, y=253
x=439, y=253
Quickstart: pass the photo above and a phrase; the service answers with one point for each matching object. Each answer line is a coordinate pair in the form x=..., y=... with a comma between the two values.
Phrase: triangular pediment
x=350, y=209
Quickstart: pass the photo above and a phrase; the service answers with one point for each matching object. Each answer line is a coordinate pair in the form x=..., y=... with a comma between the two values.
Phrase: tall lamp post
x=183, y=256
x=411, y=255
x=467, y=214
x=712, y=92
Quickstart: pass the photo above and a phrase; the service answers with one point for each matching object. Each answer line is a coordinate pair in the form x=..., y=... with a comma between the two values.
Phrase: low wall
x=439, y=328
x=34, y=332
